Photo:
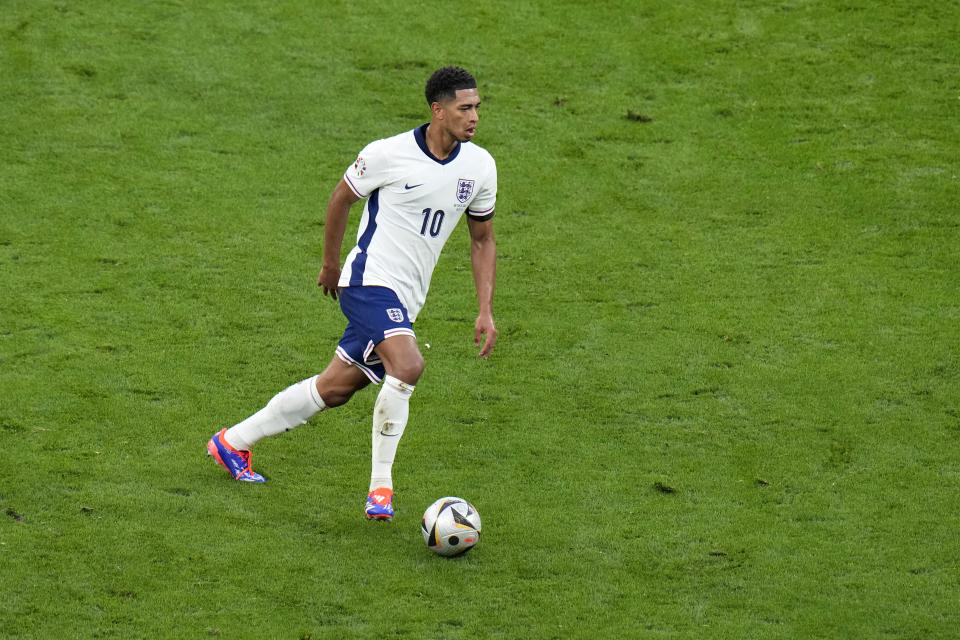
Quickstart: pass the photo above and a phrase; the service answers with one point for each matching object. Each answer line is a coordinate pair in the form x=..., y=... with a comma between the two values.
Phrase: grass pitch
x=724, y=401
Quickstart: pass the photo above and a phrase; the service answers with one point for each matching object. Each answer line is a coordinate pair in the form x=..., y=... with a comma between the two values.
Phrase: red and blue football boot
x=380, y=505
x=235, y=461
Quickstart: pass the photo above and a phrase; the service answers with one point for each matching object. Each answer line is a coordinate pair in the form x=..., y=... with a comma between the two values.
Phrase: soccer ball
x=450, y=526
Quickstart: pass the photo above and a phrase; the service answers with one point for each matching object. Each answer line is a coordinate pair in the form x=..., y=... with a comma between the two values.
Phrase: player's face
x=460, y=114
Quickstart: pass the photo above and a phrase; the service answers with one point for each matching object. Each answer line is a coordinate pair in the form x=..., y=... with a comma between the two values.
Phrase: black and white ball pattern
x=451, y=526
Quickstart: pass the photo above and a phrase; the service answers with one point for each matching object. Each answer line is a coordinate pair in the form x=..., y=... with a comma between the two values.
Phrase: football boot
x=235, y=461
x=380, y=505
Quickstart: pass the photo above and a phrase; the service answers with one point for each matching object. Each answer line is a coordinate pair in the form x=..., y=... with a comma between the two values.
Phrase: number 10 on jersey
x=433, y=223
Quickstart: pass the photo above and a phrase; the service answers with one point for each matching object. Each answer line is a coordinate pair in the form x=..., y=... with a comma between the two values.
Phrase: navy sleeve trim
x=483, y=217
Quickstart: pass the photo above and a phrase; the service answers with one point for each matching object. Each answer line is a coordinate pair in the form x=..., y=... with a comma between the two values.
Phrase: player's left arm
x=483, y=257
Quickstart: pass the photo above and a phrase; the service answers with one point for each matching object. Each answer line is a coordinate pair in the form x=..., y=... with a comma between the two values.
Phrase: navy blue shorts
x=373, y=315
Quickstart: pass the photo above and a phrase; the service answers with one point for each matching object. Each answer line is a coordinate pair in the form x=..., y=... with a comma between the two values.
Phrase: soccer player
x=417, y=186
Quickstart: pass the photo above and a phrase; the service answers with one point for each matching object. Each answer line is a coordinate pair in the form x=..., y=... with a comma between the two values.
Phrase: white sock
x=389, y=420
x=288, y=409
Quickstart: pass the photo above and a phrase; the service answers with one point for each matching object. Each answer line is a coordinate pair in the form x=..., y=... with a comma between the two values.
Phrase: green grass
x=724, y=403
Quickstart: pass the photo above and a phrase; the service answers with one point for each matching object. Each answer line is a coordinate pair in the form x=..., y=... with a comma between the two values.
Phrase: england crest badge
x=464, y=189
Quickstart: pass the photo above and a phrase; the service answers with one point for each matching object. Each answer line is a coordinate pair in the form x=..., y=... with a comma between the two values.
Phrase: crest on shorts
x=395, y=314
x=464, y=189
x=360, y=166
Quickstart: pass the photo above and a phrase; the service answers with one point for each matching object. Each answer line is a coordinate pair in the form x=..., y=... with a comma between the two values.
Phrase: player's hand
x=485, y=327
x=328, y=281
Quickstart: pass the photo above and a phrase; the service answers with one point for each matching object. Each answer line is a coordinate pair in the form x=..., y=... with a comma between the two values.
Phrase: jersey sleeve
x=370, y=171
x=481, y=208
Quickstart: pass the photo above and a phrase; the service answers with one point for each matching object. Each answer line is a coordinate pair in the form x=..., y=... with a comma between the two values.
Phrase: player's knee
x=335, y=395
x=336, y=398
x=409, y=370
x=338, y=382
x=419, y=365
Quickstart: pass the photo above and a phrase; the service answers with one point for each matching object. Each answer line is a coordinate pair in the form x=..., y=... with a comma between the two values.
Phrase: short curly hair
x=446, y=81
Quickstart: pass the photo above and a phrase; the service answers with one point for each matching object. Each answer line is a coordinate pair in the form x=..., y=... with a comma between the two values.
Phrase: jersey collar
x=420, y=134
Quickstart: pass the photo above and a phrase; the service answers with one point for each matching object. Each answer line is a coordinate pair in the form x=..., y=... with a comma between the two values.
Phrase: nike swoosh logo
x=412, y=186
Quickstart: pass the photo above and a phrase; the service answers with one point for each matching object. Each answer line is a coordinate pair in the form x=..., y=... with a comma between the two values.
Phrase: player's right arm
x=338, y=211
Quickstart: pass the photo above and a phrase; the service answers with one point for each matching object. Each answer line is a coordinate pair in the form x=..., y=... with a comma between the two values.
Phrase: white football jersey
x=414, y=201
